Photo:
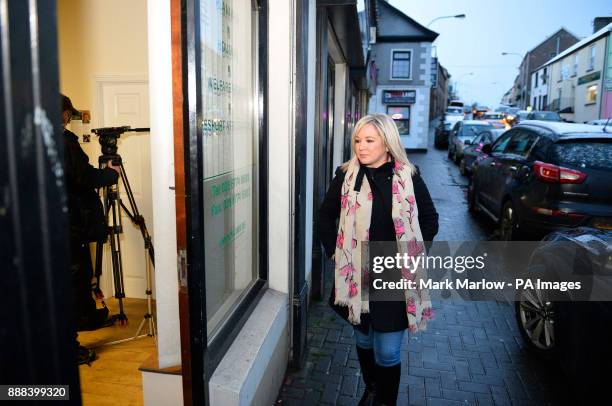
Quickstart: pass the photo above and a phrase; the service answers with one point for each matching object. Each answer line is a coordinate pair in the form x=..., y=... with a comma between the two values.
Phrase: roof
x=550, y=36
x=563, y=128
x=580, y=44
x=425, y=34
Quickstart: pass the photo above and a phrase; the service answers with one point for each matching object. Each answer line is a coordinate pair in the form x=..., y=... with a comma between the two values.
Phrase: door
x=37, y=341
x=124, y=102
x=508, y=165
x=487, y=176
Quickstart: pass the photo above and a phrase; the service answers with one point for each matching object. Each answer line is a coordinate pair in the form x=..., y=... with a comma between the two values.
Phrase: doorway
x=103, y=68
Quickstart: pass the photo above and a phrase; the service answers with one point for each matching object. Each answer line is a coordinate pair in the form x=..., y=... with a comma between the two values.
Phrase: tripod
x=112, y=209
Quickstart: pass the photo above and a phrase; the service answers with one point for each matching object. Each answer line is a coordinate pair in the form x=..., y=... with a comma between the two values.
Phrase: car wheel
x=508, y=223
x=471, y=197
x=462, y=168
x=535, y=316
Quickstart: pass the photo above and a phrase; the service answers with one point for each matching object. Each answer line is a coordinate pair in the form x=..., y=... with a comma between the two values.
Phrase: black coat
x=383, y=316
x=81, y=181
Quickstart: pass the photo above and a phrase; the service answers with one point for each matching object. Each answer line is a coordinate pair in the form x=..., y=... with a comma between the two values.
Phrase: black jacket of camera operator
x=87, y=220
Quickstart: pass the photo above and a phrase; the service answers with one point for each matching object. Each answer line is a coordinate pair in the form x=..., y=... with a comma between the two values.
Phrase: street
x=471, y=354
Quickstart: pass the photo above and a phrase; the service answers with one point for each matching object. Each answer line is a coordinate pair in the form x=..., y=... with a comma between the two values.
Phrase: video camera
x=108, y=137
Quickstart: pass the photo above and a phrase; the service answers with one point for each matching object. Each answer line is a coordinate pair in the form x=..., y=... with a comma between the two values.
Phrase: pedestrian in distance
x=378, y=195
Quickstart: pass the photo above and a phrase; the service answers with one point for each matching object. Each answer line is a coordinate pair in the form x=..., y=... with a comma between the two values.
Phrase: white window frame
x=588, y=91
x=393, y=51
x=575, y=70
x=592, y=56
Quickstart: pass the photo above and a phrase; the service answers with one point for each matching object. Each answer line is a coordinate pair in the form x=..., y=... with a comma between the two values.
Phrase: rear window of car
x=493, y=116
x=584, y=154
x=545, y=115
x=471, y=130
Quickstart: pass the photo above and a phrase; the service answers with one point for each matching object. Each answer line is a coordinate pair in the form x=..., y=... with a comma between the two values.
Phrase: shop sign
x=589, y=78
x=399, y=96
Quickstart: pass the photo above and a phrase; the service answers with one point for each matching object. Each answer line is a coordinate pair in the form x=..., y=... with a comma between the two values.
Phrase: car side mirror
x=467, y=142
x=486, y=149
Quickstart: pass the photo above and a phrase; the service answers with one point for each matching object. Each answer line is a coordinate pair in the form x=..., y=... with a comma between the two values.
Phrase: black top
x=81, y=180
x=384, y=316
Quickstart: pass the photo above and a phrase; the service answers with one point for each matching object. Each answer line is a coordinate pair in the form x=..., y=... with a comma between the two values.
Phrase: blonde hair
x=387, y=130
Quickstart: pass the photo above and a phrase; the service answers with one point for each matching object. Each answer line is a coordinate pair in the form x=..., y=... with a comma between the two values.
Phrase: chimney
x=600, y=22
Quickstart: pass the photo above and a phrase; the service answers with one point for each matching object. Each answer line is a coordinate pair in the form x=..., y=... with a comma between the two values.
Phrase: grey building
x=536, y=57
x=399, y=69
x=439, y=89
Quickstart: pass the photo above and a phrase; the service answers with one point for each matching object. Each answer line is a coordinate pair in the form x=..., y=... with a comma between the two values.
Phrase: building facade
x=547, y=49
x=250, y=106
x=399, y=65
x=606, y=96
x=439, y=90
x=575, y=88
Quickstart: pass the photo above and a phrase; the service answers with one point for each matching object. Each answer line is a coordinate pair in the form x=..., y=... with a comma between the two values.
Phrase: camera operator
x=87, y=220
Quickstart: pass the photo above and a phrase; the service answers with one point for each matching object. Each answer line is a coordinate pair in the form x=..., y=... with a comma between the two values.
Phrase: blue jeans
x=386, y=345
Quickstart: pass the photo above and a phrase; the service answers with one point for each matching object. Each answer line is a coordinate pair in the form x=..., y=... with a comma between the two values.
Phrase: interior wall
x=96, y=37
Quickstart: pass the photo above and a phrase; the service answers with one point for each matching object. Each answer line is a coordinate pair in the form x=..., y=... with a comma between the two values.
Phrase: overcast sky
x=475, y=44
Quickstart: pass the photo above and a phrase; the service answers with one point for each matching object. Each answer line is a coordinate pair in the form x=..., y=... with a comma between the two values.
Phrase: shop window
x=230, y=156
x=400, y=64
x=591, y=95
x=401, y=117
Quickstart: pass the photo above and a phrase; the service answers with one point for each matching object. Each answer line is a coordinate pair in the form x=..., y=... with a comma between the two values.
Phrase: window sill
x=590, y=69
x=590, y=104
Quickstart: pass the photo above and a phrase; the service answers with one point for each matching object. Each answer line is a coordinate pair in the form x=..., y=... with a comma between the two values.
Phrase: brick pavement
x=471, y=354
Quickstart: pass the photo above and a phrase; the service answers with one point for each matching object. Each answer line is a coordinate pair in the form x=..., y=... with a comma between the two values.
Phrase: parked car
x=462, y=134
x=570, y=330
x=517, y=117
x=544, y=116
x=601, y=121
x=456, y=103
x=473, y=151
x=452, y=116
x=497, y=120
x=479, y=111
x=542, y=176
x=454, y=110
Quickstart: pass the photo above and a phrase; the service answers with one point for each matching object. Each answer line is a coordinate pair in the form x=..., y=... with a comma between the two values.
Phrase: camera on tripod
x=113, y=205
x=108, y=136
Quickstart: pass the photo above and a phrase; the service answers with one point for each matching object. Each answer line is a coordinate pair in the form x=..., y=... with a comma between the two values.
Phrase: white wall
x=99, y=38
x=164, y=209
x=280, y=133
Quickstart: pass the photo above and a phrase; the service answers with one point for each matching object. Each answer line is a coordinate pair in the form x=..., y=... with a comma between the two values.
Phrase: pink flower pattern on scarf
x=355, y=221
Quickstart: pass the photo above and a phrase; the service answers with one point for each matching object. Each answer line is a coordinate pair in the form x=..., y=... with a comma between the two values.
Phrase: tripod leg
x=116, y=259
x=136, y=216
x=98, y=270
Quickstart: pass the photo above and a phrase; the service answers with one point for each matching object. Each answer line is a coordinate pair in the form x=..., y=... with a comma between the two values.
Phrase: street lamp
x=439, y=18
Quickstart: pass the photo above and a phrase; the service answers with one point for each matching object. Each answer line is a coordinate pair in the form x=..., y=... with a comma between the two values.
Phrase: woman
x=378, y=195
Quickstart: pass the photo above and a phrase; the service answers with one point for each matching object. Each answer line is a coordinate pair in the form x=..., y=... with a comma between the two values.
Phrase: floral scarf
x=354, y=228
